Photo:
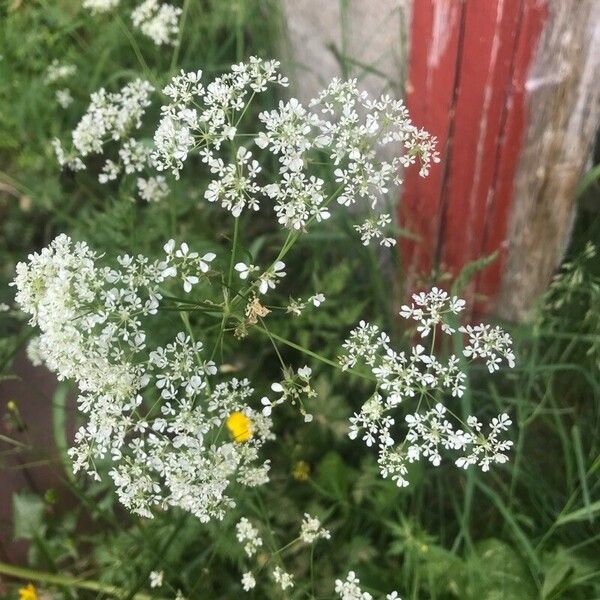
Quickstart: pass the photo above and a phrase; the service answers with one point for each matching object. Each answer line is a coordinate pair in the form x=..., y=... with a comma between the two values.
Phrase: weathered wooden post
x=510, y=89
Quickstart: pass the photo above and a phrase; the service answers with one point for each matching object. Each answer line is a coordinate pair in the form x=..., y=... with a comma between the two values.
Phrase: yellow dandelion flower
x=240, y=426
x=28, y=593
x=301, y=470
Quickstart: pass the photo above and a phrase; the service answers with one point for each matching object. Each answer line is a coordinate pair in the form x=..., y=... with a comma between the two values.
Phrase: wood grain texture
x=563, y=101
x=468, y=64
x=436, y=33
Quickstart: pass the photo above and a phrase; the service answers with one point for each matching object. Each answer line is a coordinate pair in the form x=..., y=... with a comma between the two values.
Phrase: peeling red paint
x=472, y=96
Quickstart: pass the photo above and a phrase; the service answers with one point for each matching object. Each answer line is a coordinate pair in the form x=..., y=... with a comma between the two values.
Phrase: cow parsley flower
x=270, y=278
x=295, y=388
x=93, y=320
x=429, y=310
x=205, y=117
x=311, y=530
x=236, y=187
x=248, y=534
x=420, y=377
x=317, y=299
x=245, y=270
x=350, y=588
x=111, y=116
x=284, y=579
x=100, y=6
x=153, y=189
x=373, y=228
x=248, y=581
x=57, y=71
x=489, y=343
x=156, y=579
x=206, y=120
x=297, y=305
x=189, y=265
x=64, y=98
x=158, y=21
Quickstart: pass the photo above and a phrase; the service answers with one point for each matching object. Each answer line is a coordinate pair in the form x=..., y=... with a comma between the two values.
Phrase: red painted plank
x=435, y=28
x=535, y=14
x=487, y=53
x=468, y=63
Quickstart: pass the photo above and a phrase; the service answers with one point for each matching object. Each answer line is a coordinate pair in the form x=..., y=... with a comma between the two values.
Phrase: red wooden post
x=468, y=65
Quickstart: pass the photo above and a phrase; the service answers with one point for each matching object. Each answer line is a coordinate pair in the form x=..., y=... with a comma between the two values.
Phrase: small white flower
x=100, y=6
x=284, y=579
x=245, y=270
x=305, y=372
x=269, y=279
x=64, y=98
x=160, y=22
x=267, y=406
x=247, y=533
x=317, y=299
x=204, y=261
x=188, y=282
x=311, y=530
x=248, y=581
x=156, y=579
x=153, y=189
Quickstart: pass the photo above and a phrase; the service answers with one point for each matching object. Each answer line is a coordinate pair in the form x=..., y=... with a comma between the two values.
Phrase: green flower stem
x=233, y=251
x=327, y=361
x=67, y=581
x=177, y=49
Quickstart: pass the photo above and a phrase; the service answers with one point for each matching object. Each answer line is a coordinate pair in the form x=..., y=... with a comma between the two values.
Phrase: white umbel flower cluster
x=58, y=71
x=110, y=116
x=374, y=228
x=284, y=579
x=153, y=412
x=152, y=189
x=158, y=21
x=349, y=589
x=419, y=376
x=100, y=6
x=311, y=530
x=206, y=120
x=64, y=97
x=247, y=534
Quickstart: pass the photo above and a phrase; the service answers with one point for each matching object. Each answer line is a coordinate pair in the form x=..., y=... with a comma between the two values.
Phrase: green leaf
x=581, y=514
x=333, y=476
x=28, y=514
x=498, y=573
x=59, y=427
x=470, y=270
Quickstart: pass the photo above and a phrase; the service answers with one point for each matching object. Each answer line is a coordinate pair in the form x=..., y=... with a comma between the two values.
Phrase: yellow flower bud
x=28, y=593
x=240, y=426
